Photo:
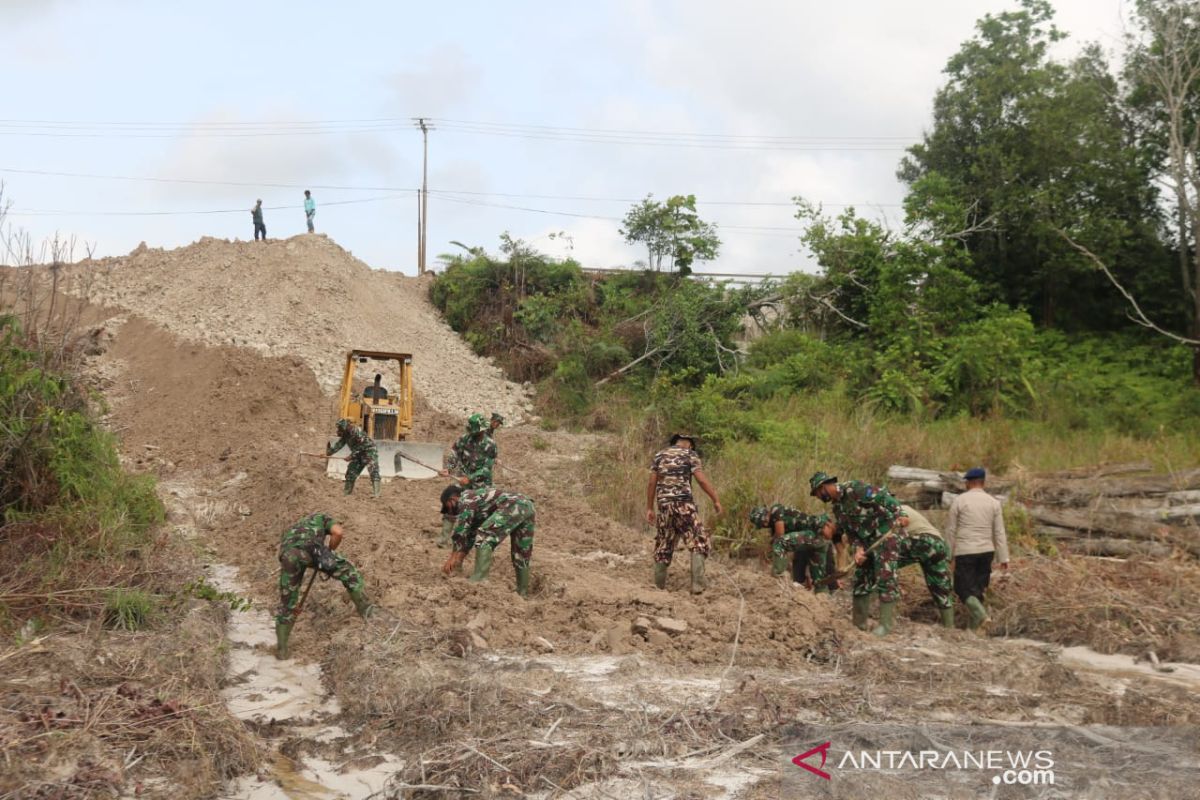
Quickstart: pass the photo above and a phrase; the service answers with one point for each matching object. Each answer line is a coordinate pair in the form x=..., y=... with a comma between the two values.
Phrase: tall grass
x=798, y=435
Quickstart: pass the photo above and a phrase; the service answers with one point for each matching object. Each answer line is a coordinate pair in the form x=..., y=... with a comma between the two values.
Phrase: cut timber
x=1083, y=492
x=1117, y=525
x=1081, y=544
x=1101, y=471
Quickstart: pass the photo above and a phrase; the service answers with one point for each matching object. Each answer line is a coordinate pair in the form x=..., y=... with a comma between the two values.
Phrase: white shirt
x=976, y=525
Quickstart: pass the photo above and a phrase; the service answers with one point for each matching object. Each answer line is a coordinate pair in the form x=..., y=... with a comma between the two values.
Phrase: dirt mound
x=304, y=297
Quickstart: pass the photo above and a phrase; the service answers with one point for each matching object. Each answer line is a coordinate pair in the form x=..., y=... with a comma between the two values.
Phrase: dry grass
x=1112, y=606
x=88, y=713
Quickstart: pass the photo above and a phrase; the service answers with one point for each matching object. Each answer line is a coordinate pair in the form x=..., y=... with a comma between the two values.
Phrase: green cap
x=759, y=515
x=475, y=423
x=818, y=480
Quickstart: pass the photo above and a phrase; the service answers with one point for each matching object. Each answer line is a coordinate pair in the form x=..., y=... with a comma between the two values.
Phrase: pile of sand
x=303, y=297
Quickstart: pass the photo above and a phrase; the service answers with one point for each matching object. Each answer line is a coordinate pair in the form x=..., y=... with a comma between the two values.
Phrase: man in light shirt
x=975, y=535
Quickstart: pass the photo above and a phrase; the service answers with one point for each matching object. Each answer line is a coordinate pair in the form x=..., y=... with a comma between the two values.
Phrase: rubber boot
x=348, y=486
x=947, y=615
x=660, y=575
x=483, y=564
x=283, y=630
x=979, y=616
x=887, y=618
x=697, y=573
x=376, y=485
x=447, y=529
x=779, y=565
x=862, y=611
x=361, y=604
x=523, y=576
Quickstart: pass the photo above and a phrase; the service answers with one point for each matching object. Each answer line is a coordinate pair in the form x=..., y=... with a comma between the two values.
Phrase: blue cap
x=975, y=474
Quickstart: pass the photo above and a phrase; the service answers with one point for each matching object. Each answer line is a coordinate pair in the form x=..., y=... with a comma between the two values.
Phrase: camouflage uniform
x=474, y=457
x=934, y=557
x=801, y=536
x=303, y=547
x=486, y=516
x=677, y=518
x=363, y=453
x=867, y=514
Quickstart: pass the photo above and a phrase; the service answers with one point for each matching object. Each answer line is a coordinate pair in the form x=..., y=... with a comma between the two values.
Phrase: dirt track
x=222, y=426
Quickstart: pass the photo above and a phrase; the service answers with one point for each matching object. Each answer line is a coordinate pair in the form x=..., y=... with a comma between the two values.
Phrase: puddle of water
x=265, y=689
x=1186, y=675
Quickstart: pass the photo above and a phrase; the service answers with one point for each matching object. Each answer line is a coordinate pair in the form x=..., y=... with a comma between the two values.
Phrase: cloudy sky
x=548, y=117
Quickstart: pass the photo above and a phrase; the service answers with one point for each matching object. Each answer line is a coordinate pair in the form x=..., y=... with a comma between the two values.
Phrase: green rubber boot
x=376, y=487
x=697, y=573
x=887, y=618
x=862, y=611
x=283, y=630
x=523, y=576
x=660, y=575
x=447, y=529
x=483, y=564
x=947, y=615
x=979, y=615
x=348, y=486
x=361, y=604
x=779, y=565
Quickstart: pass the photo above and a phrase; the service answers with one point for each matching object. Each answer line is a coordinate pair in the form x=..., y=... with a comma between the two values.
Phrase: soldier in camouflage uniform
x=471, y=461
x=796, y=532
x=303, y=547
x=868, y=516
x=671, y=508
x=484, y=518
x=496, y=421
x=363, y=455
x=923, y=544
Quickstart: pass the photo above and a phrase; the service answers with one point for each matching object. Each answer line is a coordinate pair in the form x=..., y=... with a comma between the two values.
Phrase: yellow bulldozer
x=383, y=407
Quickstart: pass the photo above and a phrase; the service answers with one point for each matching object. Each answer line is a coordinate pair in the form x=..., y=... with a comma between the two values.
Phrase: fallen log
x=1083, y=492
x=1120, y=525
x=1099, y=471
x=1081, y=544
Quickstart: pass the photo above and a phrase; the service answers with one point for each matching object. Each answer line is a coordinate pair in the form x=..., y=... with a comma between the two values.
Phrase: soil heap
x=304, y=297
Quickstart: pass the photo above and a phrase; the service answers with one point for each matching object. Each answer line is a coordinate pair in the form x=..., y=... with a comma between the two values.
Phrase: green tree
x=1022, y=146
x=672, y=232
x=1163, y=77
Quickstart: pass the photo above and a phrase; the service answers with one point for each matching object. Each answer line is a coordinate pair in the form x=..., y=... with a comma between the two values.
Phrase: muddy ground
x=468, y=686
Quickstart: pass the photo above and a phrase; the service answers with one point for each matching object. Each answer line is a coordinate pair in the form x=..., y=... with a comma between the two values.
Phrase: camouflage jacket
x=307, y=534
x=361, y=445
x=473, y=457
x=865, y=512
x=674, y=467
x=476, y=506
x=799, y=529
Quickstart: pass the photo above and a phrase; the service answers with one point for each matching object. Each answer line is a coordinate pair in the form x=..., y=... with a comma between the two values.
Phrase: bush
x=130, y=609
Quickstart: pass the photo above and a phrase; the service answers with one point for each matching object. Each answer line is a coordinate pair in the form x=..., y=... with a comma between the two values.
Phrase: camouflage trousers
x=877, y=574
x=358, y=463
x=810, y=551
x=517, y=523
x=292, y=564
x=933, y=555
x=678, y=522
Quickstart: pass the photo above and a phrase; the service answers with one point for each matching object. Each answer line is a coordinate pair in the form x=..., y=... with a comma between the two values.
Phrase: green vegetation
x=72, y=522
x=1040, y=309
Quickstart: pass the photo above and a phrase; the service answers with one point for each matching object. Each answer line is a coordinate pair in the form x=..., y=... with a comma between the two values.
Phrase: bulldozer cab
x=377, y=396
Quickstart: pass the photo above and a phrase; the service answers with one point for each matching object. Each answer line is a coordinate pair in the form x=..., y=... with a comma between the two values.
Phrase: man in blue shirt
x=310, y=209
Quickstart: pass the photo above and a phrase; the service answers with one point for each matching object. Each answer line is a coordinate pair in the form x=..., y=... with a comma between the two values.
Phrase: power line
x=41, y=212
x=441, y=192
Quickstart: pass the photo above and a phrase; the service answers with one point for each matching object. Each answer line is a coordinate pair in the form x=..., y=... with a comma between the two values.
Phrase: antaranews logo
x=823, y=749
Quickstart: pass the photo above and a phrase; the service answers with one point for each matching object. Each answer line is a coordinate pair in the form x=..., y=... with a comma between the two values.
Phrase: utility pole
x=423, y=200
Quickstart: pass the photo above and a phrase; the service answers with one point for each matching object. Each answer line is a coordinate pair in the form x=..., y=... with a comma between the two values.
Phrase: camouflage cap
x=675, y=437
x=497, y=417
x=343, y=424
x=818, y=480
x=759, y=516
x=475, y=423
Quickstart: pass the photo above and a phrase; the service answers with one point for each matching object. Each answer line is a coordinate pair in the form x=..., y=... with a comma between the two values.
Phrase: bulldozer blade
x=406, y=460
